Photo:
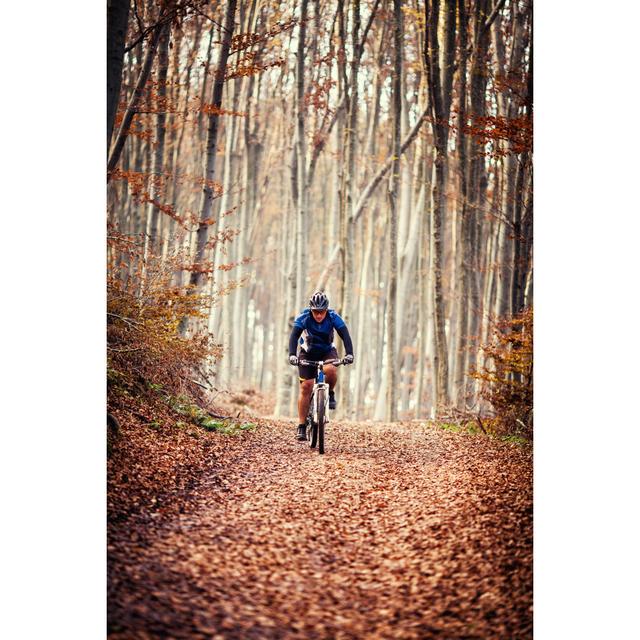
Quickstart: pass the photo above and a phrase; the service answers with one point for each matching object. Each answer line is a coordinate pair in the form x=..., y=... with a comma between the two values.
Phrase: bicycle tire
x=313, y=436
x=321, y=420
x=313, y=431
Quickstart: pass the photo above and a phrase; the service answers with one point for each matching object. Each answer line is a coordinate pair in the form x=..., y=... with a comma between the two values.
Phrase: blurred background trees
x=378, y=149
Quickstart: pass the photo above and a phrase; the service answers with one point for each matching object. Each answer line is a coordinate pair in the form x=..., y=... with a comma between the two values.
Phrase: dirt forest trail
x=401, y=530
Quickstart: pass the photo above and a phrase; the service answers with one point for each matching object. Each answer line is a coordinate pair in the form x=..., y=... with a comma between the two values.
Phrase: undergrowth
x=183, y=406
x=490, y=428
x=159, y=350
x=506, y=376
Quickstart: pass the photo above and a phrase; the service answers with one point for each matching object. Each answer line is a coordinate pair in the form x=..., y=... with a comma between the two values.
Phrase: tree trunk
x=477, y=188
x=440, y=83
x=161, y=106
x=362, y=305
x=132, y=107
x=203, y=89
x=392, y=381
x=117, y=21
x=301, y=157
x=208, y=194
x=462, y=266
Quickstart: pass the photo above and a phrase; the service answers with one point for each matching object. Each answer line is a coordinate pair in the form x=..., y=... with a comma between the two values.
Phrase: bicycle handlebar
x=315, y=363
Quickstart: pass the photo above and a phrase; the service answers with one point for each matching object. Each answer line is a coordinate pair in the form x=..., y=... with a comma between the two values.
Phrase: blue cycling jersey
x=317, y=337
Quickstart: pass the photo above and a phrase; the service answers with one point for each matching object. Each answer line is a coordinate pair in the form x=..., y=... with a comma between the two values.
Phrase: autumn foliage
x=507, y=375
x=145, y=309
x=402, y=531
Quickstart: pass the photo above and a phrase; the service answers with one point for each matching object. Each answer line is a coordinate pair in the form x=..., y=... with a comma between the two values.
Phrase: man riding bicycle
x=313, y=333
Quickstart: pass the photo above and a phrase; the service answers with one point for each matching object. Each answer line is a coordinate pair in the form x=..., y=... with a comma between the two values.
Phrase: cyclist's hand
x=348, y=359
x=293, y=360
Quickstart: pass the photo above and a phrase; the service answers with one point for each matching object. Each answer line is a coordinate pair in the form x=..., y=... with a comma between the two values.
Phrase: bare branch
x=493, y=15
x=127, y=320
x=147, y=31
x=138, y=19
x=324, y=276
x=317, y=150
x=204, y=15
x=365, y=33
x=375, y=181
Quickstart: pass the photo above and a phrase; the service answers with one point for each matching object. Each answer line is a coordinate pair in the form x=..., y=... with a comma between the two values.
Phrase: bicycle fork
x=316, y=401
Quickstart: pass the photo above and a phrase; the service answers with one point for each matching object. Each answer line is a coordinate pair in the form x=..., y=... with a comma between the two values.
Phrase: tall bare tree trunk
x=346, y=205
x=440, y=85
x=229, y=175
x=301, y=157
x=153, y=213
x=462, y=266
x=477, y=180
x=362, y=305
x=117, y=20
x=208, y=194
x=132, y=107
x=392, y=377
x=205, y=78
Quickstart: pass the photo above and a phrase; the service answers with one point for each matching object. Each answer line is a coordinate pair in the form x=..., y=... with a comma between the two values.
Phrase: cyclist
x=313, y=333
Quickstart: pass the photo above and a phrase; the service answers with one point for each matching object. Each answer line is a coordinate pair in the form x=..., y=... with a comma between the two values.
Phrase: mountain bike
x=319, y=403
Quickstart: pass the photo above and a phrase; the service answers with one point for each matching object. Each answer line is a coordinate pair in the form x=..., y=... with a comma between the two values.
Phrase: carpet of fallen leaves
x=401, y=530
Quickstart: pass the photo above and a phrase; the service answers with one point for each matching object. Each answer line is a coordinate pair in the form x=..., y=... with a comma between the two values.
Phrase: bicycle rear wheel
x=321, y=420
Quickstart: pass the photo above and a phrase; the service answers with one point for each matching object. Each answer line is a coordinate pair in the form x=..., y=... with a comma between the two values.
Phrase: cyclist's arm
x=296, y=332
x=343, y=332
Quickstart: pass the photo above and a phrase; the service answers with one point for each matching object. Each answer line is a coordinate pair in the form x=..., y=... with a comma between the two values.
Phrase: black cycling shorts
x=308, y=372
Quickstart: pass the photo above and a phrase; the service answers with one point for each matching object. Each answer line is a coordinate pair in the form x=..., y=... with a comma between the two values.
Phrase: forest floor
x=401, y=530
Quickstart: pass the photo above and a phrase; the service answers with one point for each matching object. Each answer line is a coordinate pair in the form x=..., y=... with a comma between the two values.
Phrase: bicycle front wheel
x=313, y=434
x=321, y=420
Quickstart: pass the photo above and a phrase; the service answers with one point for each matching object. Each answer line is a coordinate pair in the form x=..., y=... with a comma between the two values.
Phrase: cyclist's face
x=319, y=315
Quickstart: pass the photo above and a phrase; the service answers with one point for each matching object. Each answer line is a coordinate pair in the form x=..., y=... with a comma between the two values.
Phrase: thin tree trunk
x=203, y=89
x=117, y=21
x=477, y=181
x=462, y=266
x=301, y=156
x=362, y=304
x=208, y=194
x=161, y=106
x=392, y=404
x=132, y=107
x=440, y=94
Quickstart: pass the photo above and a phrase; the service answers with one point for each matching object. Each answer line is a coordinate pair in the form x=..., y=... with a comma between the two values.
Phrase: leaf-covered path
x=399, y=531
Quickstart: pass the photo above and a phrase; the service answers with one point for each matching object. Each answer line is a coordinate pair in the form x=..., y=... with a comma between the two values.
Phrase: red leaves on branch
x=328, y=58
x=231, y=265
x=508, y=135
x=243, y=41
x=318, y=94
x=215, y=186
x=225, y=235
x=249, y=66
x=211, y=109
x=142, y=185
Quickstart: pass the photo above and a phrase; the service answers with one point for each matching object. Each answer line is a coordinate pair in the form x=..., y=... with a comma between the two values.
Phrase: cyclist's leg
x=307, y=376
x=330, y=375
x=306, y=387
x=330, y=371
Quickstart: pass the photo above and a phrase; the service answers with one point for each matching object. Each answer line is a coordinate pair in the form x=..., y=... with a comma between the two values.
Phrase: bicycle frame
x=313, y=404
x=313, y=421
